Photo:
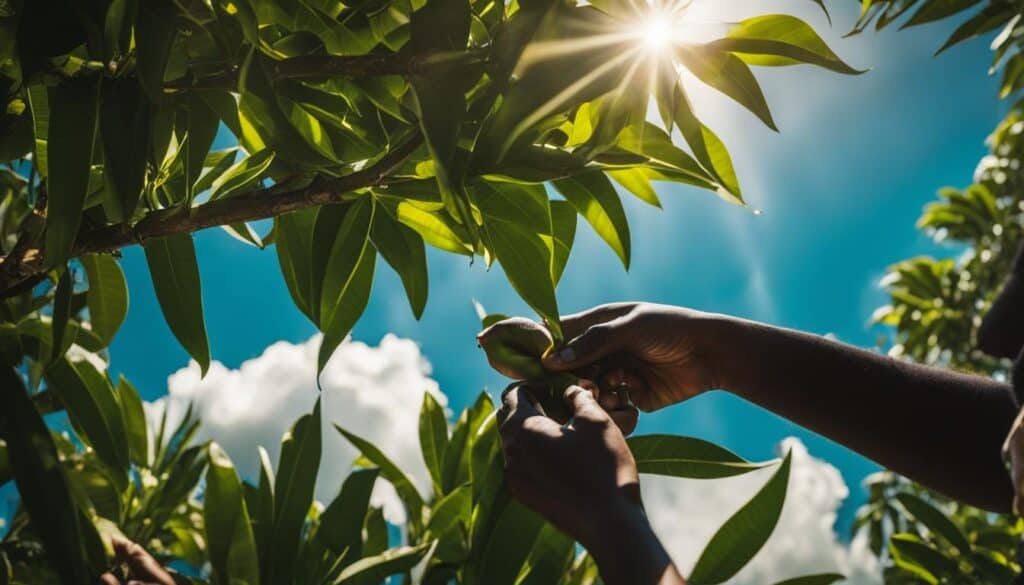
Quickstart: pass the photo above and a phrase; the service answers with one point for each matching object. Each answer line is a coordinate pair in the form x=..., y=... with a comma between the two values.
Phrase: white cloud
x=686, y=513
x=375, y=392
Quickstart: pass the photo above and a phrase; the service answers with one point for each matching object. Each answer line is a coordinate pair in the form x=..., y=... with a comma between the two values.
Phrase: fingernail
x=566, y=354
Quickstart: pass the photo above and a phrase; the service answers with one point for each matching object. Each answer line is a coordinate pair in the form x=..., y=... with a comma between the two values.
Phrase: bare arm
x=941, y=428
x=937, y=427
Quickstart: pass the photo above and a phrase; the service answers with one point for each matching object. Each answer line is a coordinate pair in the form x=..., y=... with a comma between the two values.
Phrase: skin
x=143, y=569
x=586, y=466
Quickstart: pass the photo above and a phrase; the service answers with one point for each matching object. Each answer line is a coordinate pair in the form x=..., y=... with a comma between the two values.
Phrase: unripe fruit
x=514, y=347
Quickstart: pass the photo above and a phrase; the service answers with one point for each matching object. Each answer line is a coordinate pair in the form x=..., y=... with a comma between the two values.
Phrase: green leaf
x=229, y=537
x=509, y=544
x=73, y=107
x=124, y=127
x=449, y=524
x=402, y=248
x=375, y=531
x=242, y=175
x=43, y=485
x=687, y=457
x=563, y=228
x=728, y=74
x=348, y=278
x=94, y=411
x=38, y=99
x=260, y=504
x=433, y=437
x=742, y=535
x=407, y=492
x=779, y=40
x=202, y=123
x=454, y=467
x=61, y=313
x=294, y=254
x=819, y=579
x=135, y=427
x=155, y=28
x=5, y=464
x=987, y=19
x=549, y=560
x=709, y=150
x=107, y=297
x=218, y=162
x=293, y=493
x=936, y=522
x=175, y=273
x=341, y=524
x=637, y=183
x=379, y=567
x=932, y=10
x=593, y=195
x=435, y=228
x=516, y=219
x=920, y=559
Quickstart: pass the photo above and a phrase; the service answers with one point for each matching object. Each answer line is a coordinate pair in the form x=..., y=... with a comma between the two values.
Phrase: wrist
x=625, y=547
x=727, y=346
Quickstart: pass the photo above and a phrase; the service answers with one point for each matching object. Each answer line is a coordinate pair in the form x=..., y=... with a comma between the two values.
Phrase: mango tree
x=363, y=130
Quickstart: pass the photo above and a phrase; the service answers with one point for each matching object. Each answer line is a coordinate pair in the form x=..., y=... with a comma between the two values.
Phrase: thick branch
x=309, y=67
x=318, y=66
x=28, y=268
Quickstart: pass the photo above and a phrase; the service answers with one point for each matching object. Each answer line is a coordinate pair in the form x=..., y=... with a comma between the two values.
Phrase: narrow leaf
x=175, y=273
x=107, y=297
x=743, y=535
x=433, y=437
x=73, y=108
x=229, y=536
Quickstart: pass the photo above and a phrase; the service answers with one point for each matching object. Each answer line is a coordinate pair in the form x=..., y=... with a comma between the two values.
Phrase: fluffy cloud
x=375, y=392
x=686, y=513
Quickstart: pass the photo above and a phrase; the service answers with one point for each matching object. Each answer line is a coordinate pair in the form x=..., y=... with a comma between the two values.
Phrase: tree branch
x=308, y=67
x=317, y=66
x=28, y=268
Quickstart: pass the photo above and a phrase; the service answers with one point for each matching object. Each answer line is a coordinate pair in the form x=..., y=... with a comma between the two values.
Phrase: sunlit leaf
x=744, y=533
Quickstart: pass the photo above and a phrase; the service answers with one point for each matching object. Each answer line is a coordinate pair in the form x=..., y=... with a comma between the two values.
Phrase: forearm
x=940, y=428
x=629, y=553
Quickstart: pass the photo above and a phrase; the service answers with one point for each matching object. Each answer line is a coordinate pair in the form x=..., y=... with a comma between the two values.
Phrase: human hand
x=582, y=478
x=662, y=354
x=143, y=569
x=571, y=474
x=514, y=347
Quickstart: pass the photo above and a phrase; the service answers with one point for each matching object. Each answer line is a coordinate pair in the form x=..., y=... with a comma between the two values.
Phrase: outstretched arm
x=941, y=428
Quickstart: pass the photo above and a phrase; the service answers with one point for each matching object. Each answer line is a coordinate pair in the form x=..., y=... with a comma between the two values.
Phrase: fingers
x=576, y=324
x=109, y=579
x=590, y=346
x=583, y=404
x=140, y=562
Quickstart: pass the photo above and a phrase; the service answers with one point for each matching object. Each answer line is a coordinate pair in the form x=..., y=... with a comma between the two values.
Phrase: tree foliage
x=363, y=130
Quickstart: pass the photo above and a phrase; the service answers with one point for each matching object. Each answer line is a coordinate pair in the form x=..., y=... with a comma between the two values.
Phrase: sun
x=656, y=32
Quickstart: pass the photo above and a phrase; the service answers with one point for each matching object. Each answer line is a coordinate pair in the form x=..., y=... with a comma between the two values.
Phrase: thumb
x=592, y=345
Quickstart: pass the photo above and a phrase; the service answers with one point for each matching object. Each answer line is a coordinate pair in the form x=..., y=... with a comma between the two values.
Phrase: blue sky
x=840, y=187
